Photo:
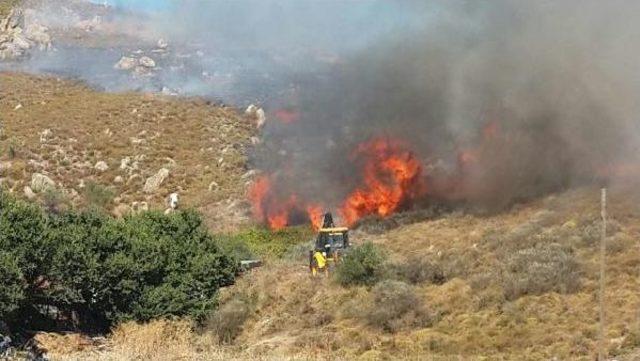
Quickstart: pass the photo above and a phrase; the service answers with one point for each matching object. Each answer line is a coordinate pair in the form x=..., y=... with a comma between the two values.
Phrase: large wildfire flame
x=391, y=176
x=278, y=211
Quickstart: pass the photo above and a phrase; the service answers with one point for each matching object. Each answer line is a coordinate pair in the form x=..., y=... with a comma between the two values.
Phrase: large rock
x=121, y=210
x=162, y=44
x=153, y=183
x=28, y=192
x=147, y=62
x=126, y=63
x=18, y=35
x=261, y=118
x=40, y=182
x=101, y=166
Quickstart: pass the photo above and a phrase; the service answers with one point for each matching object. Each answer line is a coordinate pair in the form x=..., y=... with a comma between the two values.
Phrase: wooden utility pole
x=603, y=254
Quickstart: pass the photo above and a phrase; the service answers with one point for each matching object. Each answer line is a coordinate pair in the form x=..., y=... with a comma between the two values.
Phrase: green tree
x=106, y=270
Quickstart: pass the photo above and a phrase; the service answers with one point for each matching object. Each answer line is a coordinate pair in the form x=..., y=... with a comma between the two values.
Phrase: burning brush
x=390, y=177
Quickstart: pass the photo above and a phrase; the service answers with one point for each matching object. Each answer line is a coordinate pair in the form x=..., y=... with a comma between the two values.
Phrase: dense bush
x=106, y=270
x=363, y=265
x=541, y=269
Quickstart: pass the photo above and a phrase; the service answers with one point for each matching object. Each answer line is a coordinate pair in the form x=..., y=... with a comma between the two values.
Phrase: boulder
x=45, y=135
x=40, y=182
x=28, y=192
x=162, y=44
x=251, y=110
x=172, y=201
x=153, y=183
x=139, y=206
x=101, y=166
x=124, y=163
x=126, y=63
x=147, y=62
x=121, y=210
x=261, y=118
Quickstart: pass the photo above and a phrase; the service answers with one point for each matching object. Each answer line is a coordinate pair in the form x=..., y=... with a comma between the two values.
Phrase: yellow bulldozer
x=330, y=245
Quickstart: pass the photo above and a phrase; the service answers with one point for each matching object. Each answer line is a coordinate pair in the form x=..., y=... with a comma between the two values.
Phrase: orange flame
x=277, y=211
x=287, y=116
x=257, y=195
x=392, y=176
x=315, y=215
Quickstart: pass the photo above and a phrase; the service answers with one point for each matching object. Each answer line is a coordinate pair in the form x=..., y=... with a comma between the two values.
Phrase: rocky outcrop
x=18, y=36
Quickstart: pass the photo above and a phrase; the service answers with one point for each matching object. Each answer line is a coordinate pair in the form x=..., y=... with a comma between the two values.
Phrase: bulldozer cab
x=332, y=239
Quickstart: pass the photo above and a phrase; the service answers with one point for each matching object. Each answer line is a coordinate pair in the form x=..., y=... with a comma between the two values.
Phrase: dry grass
x=6, y=5
x=296, y=317
x=471, y=315
x=200, y=143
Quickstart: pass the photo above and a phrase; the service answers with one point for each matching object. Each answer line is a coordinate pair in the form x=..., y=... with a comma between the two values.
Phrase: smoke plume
x=502, y=101
x=486, y=102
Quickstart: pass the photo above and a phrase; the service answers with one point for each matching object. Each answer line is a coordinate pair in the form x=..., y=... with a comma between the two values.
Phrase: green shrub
x=12, y=290
x=261, y=242
x=105, y=270
x=362, y=265
x=541, y=269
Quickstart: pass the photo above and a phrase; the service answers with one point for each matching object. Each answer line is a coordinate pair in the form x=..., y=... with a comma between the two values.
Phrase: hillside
x=466, y=172
x=501, y=297
x=102, y=147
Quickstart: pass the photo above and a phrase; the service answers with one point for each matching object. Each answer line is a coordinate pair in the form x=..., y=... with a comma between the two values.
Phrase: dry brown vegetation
x=6, y=5
x=471, y=313
x=63, y=129
x=519, y=285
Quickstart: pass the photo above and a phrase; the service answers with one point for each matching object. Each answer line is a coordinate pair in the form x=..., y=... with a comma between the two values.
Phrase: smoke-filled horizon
x=496, y=100
x=501, y=101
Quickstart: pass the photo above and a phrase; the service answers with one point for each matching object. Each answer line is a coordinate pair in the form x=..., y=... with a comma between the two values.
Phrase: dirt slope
x=75, y=135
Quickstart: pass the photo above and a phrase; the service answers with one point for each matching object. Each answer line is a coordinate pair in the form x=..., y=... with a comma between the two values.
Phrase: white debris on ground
x=172, y=202
x=20, y=34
